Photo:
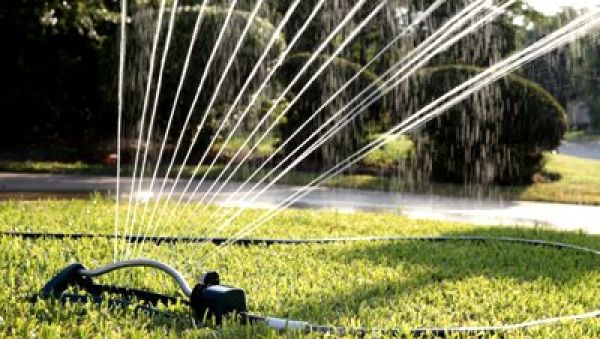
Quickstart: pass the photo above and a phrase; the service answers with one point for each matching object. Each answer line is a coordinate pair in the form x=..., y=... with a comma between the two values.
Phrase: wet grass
x=566, y=179
x=582, y=136
x=378, y=284
x=572, y=180
x=579, y=181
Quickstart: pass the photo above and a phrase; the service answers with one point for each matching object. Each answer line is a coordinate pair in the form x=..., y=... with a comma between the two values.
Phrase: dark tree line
x=57, y=78
x=59, y=93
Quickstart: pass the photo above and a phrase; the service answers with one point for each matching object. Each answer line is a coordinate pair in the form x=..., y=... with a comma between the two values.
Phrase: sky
x=552, y=6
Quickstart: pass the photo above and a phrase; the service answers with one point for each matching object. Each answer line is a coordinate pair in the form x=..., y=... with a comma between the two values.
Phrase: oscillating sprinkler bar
x=141, y=263
x=209, y=300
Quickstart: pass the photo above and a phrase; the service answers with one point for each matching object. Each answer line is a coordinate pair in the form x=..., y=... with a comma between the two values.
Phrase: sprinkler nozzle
x=212, y=302
x=209, y=278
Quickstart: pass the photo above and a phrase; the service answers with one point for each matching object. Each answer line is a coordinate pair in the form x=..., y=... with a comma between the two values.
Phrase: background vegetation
x=497, y=136
x=59, y=89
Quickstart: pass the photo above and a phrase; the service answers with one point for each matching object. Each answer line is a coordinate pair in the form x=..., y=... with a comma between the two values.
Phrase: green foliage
x=54, y=57
x=496, y=136
x=383, y=285
x=347, y=140
x=255, y=41
x=61, y=57
x=395, y=149
x=571, y=72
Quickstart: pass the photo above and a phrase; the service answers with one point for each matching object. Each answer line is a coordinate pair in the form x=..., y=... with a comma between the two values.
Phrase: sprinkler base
x=213, y=302
x=210, y=301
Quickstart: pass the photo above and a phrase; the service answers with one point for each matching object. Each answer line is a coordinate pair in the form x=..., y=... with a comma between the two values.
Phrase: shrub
x=350, y=138
x=254, y=43
x=56, y=70
x=498, y=135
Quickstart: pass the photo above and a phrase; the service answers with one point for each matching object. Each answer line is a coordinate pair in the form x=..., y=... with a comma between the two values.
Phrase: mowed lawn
x=579, y=181
x=565, y=179
x=374, y=284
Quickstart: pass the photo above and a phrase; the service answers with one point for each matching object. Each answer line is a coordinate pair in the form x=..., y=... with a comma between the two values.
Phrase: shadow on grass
x=442, y=267
x=434, y=267
x=458, y=259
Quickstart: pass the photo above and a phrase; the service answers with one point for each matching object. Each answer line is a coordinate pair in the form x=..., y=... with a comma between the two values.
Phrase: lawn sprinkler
x=211, y=303
x=209, y=300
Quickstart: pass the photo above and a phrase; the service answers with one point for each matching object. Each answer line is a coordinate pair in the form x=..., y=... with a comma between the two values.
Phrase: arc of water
x=182, y=78
x=159, y=82
x=195, y=101
x=433, y=45
x=280, y=61
x=220, y=83
x=290, y=86
x=286, y=91
x=253, y=73
x=218, y=87
x=423, y=58
x=222, y=148
x=120, y=101
x=144, y=110
x=501, y=69
x=430, y=42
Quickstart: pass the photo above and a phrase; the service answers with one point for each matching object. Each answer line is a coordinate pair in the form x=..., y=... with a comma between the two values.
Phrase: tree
x=55, y=72
x=571, y=73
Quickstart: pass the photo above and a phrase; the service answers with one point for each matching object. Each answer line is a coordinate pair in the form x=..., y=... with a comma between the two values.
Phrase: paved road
x=588, y=150
x=482, y=212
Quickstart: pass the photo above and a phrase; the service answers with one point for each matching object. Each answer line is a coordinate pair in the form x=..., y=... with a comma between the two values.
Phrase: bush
x=255, y=41
x=61, y=60
x=350, y=138
x=498, y=135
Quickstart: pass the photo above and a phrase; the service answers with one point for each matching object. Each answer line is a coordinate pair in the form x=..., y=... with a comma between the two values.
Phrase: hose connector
x=212, y=302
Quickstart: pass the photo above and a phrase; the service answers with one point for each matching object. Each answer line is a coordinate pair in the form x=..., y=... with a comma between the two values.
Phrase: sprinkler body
x=210, y=301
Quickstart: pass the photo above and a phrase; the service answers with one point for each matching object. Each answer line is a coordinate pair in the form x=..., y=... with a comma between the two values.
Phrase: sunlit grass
x=582, y=136
x=573, y=180
x=398, y=148
x=579, y=181
x=377, y=284
x=265, y=148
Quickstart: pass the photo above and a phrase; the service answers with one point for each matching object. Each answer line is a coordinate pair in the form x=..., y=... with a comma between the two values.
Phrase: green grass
x=377, y=284
x=264, y=149
x=577, y=180
x=582, y=136
x=387, y=156
x=56, y=167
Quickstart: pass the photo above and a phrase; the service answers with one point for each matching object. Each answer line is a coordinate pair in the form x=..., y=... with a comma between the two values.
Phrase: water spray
x=210, y=302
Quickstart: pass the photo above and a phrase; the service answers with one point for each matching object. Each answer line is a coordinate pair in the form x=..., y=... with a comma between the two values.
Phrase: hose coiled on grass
x=284, y=324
